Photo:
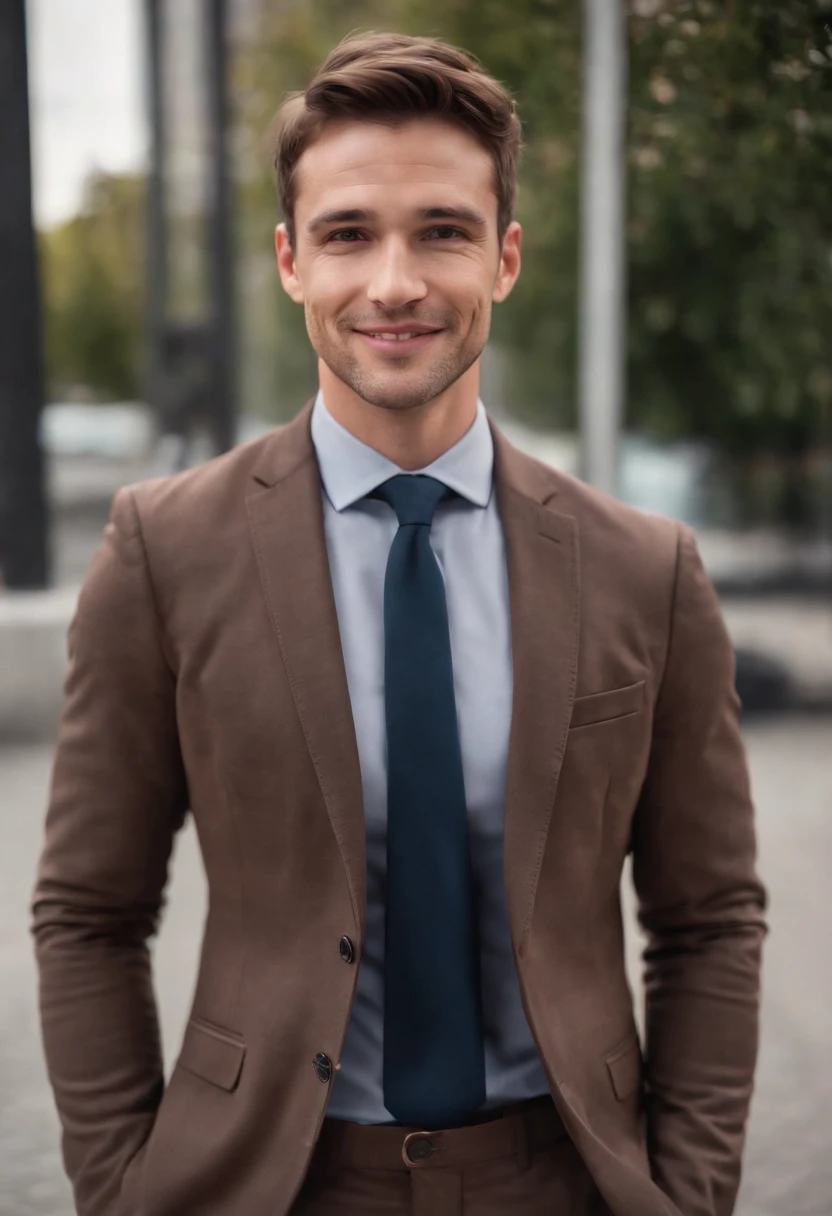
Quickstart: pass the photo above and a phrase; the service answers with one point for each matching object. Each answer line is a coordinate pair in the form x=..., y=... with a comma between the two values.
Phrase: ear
x=509, y=268
x=286, y=265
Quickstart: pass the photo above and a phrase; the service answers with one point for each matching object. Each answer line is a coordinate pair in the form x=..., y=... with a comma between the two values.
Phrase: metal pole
x=602, y=241
x=24, y=558
x=156, y=273
x=221, y=250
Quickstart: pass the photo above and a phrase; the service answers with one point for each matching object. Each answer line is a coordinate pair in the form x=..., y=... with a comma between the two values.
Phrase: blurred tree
x=730, y=239
x=93, y=268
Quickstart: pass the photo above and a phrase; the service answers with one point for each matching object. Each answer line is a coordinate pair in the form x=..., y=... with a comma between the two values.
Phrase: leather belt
x=519, y=1129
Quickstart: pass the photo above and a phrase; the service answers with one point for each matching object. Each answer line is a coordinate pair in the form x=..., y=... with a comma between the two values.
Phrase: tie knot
x=413, y=496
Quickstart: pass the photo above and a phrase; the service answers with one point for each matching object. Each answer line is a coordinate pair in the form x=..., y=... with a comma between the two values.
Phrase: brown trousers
x=521, y=1163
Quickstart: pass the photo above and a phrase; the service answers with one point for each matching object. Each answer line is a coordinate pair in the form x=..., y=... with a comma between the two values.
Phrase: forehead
x=423, y=162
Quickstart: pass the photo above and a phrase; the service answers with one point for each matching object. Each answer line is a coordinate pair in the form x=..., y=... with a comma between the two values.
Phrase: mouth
x=398, y=341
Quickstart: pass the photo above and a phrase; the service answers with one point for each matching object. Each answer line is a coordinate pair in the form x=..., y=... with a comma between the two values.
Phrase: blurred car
x=119, y=431
x=92, y=450
x=688, y=481
x=678, y=480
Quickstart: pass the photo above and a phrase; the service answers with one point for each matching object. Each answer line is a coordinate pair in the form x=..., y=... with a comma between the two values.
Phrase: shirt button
x=347, y=950
x=323, y=1067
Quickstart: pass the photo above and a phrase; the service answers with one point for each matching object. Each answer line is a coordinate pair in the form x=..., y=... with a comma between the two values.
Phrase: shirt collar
x=350, y=469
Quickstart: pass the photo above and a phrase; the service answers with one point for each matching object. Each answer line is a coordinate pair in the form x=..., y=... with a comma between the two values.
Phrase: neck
x=411, y=437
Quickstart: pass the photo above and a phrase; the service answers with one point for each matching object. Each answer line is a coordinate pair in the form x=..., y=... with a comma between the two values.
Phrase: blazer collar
x=351, y=469
x=291, y=445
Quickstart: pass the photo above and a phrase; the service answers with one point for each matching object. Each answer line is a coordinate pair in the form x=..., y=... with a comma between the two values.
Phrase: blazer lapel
x=544, y=592
x=286, y=519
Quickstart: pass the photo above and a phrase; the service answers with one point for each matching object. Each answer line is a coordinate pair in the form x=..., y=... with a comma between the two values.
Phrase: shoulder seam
x=164, y=640
x=673, y=602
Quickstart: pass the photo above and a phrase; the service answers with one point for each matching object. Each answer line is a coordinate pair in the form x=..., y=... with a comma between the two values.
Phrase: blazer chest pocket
x=607, y=706
x=212, y=1053
x=624, y=1068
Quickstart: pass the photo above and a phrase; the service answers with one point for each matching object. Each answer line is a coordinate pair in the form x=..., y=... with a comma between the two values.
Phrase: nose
x=396, y=278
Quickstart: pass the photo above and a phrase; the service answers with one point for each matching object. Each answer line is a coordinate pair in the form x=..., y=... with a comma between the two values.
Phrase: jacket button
x=347, y=950
x=323, y=1067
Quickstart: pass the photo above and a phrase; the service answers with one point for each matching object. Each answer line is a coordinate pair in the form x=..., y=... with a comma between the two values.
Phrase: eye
x=345, y=236
x=446, y=233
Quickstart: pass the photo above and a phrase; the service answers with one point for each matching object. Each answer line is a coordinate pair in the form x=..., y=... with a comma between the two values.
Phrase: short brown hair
x=390, y=79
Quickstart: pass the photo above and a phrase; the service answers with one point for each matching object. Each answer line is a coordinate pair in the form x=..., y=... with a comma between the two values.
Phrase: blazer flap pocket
x=604, y=706
x=212, y=1053
x=624, y=1067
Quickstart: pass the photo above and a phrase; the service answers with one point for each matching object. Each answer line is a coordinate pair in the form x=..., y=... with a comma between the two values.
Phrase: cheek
x=466, y=287
x=328, y=286
x=336, y=279
x=335, y=286
x=480, y=311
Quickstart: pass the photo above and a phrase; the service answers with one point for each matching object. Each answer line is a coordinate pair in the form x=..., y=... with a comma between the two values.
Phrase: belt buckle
x=417, y=1147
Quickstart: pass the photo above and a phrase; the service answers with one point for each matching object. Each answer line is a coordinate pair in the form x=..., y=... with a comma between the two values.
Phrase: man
x=421, y=694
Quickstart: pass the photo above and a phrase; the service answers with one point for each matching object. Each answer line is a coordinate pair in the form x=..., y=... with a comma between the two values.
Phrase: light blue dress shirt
x=467, y=538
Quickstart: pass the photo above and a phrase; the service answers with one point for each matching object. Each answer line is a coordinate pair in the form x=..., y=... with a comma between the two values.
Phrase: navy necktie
x=434, y=1068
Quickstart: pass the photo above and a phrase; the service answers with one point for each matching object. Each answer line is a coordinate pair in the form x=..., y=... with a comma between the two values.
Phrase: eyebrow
x=359, y=215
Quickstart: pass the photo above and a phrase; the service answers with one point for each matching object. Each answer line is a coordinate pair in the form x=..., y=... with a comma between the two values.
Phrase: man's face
x=396, y=234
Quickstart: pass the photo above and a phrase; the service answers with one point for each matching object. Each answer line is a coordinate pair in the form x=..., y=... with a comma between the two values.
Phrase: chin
x=393, y=396
x=396, y=386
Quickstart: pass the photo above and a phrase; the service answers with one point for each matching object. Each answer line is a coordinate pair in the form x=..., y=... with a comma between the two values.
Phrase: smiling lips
x=397, y=337
x=406, y=339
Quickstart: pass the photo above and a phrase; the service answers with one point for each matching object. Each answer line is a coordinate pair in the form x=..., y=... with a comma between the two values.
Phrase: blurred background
x=670, y=339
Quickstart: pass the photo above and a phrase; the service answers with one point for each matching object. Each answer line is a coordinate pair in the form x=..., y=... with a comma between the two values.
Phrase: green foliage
x=93, y=270
x=730, y=239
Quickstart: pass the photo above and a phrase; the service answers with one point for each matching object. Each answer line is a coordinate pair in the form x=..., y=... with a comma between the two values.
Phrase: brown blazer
x=206, y=674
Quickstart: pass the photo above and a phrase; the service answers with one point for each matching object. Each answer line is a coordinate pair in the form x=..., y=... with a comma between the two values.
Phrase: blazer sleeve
x=118, y=796
x=702, y=907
